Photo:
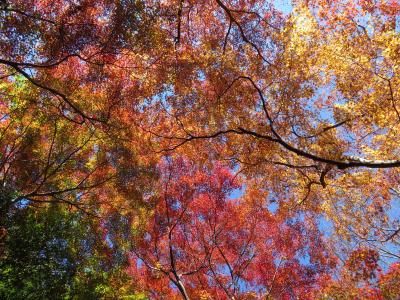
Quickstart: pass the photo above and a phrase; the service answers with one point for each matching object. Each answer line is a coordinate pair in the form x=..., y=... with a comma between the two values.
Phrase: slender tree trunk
x=182, y=289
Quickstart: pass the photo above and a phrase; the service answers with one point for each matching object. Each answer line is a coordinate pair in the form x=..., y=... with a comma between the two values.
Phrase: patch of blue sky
x=397, y=27
x=286, y=6
x=273, y=207
x=325, y=226
x=201, y=75
x=237, y=193
x=391, y=249
x=23, y=203
x=109, y=241
x=176, y=206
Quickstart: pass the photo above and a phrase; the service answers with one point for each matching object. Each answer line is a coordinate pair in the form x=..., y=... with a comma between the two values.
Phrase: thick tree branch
x=178, y=35
x=84, y=116
x=17, y=11
x=347, y=162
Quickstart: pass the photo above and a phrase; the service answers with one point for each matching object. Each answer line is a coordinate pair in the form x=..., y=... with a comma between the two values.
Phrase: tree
x=206, y=244
x=130, y=111
x=305, y=100
x=361, y=277
x=58, y=141
x=58, y=254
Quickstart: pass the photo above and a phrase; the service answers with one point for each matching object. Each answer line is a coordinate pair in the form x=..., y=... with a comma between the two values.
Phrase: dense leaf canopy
x=199, y=149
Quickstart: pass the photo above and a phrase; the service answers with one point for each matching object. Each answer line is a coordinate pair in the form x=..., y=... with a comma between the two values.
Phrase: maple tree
x=143, y=119
x=362, y=279
x=210, y=245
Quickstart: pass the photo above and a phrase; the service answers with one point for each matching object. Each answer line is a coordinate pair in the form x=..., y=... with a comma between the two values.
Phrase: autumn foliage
x=208, y=149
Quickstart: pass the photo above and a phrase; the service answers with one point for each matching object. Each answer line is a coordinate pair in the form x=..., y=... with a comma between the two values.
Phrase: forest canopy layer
x=199, y=149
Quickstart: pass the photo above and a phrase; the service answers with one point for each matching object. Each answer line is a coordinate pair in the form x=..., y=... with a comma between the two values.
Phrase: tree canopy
x=199, y=149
